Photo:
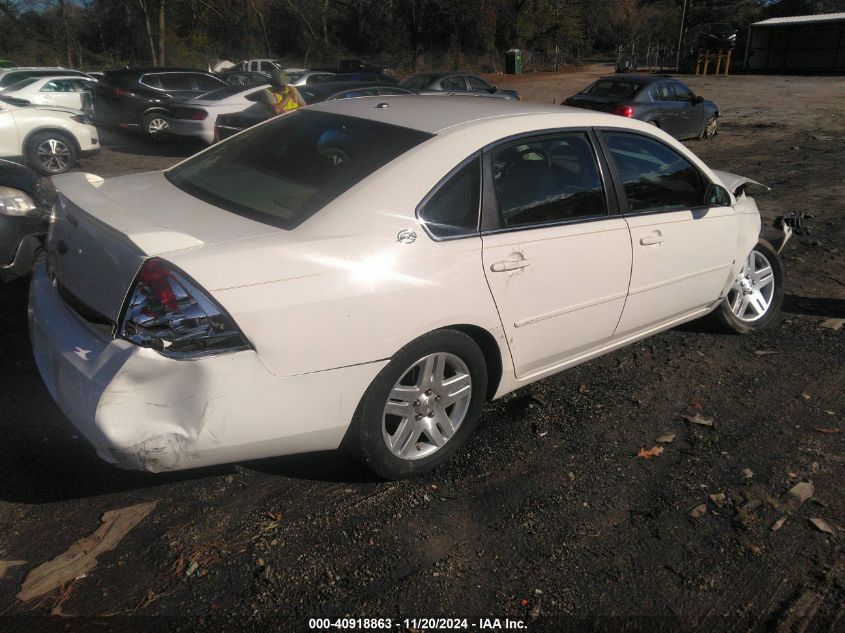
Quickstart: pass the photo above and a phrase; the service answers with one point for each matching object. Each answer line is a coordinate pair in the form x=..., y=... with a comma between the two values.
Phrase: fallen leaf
x=648, y=454
x=805, y=395
x=747, y=473
x=524, y=602
x=583, y=389
x=666, y=438
x=719, y=499
x=698, y=419
x=538, y=397
x=833, y=324
x=778, y=524
x=764, y=352
x=801, y=491
x=698, y=511
x=827, y=430
x=81, y=557
x=8, y=564
x=821, y=525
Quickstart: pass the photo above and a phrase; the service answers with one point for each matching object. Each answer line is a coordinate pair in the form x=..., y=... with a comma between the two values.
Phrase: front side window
x=478, y=84
x=452, y=210
x=283, y=172
x=682, y=93
x=548, y=179
x=206, y=83
x=655, y=177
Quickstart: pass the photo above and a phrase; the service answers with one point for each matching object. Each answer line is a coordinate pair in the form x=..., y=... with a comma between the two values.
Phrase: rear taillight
x=199, y=115
x=624, y=110
x=170, y=313
x=122, y=92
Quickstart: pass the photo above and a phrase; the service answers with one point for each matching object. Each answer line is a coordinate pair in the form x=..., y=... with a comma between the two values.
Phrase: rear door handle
x=510, y=264
x=651, y=240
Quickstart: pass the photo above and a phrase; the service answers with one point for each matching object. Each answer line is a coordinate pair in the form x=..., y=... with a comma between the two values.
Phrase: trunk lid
x=103, y=230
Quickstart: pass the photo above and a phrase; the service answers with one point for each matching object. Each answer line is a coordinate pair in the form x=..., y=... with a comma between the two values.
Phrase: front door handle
x=510, y=264
x=651, y=240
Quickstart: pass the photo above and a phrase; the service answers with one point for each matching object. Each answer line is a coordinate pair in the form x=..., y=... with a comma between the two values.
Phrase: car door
x=682, y=247
x=690, y=115
x=664, y=98
x=556, y=254
x=10, y=142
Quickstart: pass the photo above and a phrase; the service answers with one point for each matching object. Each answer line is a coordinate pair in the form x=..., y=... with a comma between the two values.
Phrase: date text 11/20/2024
x=431, y=624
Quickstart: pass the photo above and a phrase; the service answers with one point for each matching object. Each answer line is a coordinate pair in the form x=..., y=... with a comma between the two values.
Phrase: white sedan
x=367, y=273
x=69, y=92
x=50, y=138
x=195, y=118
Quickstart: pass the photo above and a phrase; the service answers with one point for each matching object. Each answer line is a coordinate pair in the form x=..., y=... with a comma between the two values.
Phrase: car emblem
x=406, y=237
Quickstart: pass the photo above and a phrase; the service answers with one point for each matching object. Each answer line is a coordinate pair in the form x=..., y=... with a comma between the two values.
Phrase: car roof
x=639, y=78
x=435, y=113
x=146, y=70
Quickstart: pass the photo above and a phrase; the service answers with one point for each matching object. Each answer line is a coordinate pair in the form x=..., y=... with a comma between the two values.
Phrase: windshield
x=613, y=88
x=285, y=171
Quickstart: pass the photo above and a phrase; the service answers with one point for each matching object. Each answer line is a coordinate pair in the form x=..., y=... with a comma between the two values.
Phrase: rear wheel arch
x=491, y=351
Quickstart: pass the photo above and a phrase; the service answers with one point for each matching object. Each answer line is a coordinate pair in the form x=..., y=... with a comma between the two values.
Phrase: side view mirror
x=716, y=196
x=492, y=89
x=697, y=99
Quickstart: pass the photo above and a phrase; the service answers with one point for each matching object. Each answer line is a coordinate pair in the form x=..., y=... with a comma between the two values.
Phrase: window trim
x=490, y=215
x=442, y=183
x=620, y=185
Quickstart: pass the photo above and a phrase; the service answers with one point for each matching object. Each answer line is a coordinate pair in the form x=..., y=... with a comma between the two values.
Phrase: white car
x=196, y=117
x=50, y=138
x=69, y=92
x=369, y=272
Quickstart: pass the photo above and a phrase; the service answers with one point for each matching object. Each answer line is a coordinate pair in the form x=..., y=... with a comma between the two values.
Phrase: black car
x=24, y=214
x=657, y=99
x=229, y=124
x=716, y=37
x=140, y=98
x=455, y=83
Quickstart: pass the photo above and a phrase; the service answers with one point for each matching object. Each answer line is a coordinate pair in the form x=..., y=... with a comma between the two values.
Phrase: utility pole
x=680, y=36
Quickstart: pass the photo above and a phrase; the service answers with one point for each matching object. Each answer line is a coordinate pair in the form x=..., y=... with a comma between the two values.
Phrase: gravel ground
x=545, y=516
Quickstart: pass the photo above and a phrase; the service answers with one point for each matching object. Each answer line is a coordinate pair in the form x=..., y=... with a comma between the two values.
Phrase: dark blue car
x=656, y=99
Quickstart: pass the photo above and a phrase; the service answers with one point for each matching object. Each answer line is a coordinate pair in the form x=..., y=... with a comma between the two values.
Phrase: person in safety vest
x=281, y=97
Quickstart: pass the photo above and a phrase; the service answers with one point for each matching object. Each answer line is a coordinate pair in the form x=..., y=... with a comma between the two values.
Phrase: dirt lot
x=546, y=496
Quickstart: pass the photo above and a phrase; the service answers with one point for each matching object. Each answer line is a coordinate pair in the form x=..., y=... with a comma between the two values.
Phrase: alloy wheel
x=158, y=127
x=426, y=406
x=753, y=290
x=53, y=155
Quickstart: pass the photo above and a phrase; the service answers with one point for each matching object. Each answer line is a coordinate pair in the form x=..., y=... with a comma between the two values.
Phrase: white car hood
x=733, y=182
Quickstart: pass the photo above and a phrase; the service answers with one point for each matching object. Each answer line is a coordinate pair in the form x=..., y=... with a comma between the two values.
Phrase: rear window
x=283, y=172
x=613, y=88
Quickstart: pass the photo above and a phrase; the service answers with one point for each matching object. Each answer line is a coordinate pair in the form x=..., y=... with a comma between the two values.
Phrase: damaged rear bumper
x=143, y=411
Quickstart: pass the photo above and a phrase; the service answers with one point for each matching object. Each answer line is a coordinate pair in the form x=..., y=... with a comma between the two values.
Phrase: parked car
x=196, y=118
x=456, y=83
x=140, y=98
x=24, y=212
x=68, y=91
x=324, y=275
x=50, y=138
x=244, y=78
x=381, y=78
x=228, y=124
x=309, y=77
x=715, y=37
x=657, y=99
x=9, y=76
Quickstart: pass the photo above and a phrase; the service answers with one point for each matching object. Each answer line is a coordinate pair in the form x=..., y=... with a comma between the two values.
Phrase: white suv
x=51, y=139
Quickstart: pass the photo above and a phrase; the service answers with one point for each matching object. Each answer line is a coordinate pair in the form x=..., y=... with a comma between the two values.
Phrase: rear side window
x=662, y=92
x=176, y=81
x=453, y=83
x=452, y=209
x=655, y=177
x=283, y=172
x=548, y=179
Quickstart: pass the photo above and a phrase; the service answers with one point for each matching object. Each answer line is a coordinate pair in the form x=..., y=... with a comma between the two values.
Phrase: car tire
x=156, y=126
x=754, y=300
x=411, y=420
x=51, y=153
x=710, y=128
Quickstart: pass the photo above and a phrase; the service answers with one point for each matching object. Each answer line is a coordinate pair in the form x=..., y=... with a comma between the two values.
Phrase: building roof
x=801, y=19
